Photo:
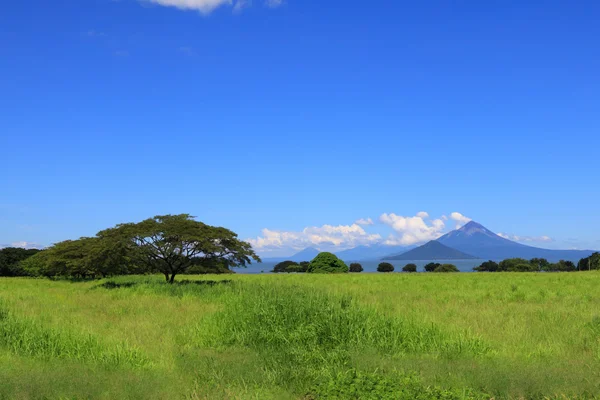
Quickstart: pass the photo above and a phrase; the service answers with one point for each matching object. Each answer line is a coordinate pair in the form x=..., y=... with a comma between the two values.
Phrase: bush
x=283, y=266
x=327, y=263
x=446, y=268
x=385, y=267
x=356, y=267
x=431, y=267
x=410, y=268
x=488, y=266
x=562, y=266
x=516, y=265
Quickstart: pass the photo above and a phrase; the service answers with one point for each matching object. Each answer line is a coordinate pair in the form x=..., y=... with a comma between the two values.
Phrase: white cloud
x=207, y=6
x=365, y=221
x=273, y=3
x=340, y=237
x=518, y=238
x=460, y=219
x=203, y=6
x=412, y=229
x=241, y=4
x=423, y=214
x=23, y=245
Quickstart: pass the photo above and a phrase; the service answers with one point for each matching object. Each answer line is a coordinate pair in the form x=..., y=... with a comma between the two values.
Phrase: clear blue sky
x=300, y=114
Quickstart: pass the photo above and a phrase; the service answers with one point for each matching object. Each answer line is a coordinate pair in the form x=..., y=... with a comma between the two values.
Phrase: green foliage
x=561, y=266
x=589, y=263
x=172, y=244
x=540, y=264
x=516, y=265
x=385, y=267
x=298, y=268
x=10, y=259
x=327, y=263
x=431, y=266
x=410, y=268
x=358, y=385
x=283, y=266
x=356, y=267
x=488, y=266
x=446, y=268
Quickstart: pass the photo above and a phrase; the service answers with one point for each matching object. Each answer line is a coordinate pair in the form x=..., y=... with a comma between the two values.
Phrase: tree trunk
x=172, y=278
x=167, y=276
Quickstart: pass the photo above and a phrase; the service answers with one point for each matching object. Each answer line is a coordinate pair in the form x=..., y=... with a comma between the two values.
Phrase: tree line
x=167, y=244
x=540, y=265
x=305, y=267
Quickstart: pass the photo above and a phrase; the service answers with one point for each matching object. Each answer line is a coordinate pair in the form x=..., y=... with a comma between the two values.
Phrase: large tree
x=327, y=263
x=171, y=244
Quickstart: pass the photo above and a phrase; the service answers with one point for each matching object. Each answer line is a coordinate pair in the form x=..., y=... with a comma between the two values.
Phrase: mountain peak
x=472, y=227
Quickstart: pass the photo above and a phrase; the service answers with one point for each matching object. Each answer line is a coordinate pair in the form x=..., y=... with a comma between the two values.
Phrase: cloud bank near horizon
x=207, y=6
x=406, y=231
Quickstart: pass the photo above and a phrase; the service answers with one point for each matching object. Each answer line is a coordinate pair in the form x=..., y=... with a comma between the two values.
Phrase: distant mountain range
x=433, y=250
x=477, y=240
x=469, y=242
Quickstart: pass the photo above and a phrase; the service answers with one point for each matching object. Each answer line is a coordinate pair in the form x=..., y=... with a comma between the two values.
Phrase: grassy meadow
x=363, y=336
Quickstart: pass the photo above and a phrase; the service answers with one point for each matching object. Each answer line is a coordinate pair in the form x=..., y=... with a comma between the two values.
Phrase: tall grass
x=303, y=337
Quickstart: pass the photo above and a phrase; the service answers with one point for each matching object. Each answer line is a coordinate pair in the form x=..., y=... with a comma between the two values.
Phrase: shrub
x=356, y=267
x=488, y=266
x=446, y=268
x=431, y=267
x=327, y=263
x=385, y=267
x=283, y=266
x=410, y=268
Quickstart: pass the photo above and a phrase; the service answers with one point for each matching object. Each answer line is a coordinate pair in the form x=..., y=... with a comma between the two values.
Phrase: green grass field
x=364, y=336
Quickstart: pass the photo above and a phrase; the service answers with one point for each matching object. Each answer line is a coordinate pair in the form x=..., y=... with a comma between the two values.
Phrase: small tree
x=385, y=267
x=356, y=267
x=327, y=263
x=488, y=266
x=446, y=268
x=541, y=264
x=283, y=266
x=431, y=266
x=410, y=268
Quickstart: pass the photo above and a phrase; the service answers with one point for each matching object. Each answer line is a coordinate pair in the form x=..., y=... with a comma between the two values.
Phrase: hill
x=475, y=239
x=432, y=251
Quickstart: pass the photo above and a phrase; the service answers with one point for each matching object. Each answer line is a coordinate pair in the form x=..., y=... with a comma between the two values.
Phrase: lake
x=371, y=266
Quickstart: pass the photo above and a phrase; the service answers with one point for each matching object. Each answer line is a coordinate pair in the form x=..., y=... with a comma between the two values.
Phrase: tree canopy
x=431, y=266
x=488, y=266
x=410, y=268
x=327, y=263
x=446, y=268
x=385, y=267
x=172, y=244
x=356, y=267
x=10, y=259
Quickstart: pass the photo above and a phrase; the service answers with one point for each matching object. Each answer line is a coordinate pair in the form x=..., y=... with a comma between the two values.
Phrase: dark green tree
x=10, y=259
x=516, y=265
x=327, y=263
x=410, y=268
x=540, y=264
x=446, y=268
x=283, y=266
x=488, y=266
x=171, y=244
x=562, y=266
x=431, y=266
x=385, y=267
x=356, y=267
x=589, y=263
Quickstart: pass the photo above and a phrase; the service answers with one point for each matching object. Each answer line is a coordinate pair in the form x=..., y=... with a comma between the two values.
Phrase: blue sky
x=301, y=117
